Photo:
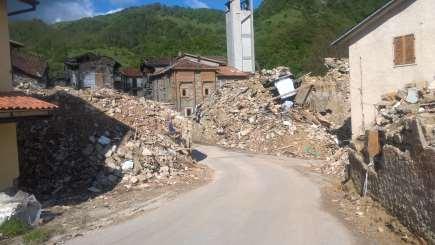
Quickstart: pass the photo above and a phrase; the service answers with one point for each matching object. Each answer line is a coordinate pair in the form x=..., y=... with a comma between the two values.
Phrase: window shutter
x=410, y=49
x=398, y=51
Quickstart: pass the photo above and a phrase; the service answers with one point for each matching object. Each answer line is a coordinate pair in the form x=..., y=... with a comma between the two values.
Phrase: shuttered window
x=404, y=50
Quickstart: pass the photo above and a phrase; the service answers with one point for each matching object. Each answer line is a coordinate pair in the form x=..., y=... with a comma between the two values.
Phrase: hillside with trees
x=294, y=33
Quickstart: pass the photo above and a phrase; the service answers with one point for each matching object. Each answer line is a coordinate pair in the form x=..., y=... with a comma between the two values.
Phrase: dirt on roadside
x=124, y=202
x=365, y=216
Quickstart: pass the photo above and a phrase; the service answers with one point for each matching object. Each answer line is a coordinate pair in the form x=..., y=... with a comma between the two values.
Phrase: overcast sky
x=63, y=10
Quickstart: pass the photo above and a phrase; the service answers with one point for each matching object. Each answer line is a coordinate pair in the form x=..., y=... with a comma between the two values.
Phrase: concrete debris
x=245, y=115
x=21, y=206
x=329, y=95
x=416, y=101
x=98, y=139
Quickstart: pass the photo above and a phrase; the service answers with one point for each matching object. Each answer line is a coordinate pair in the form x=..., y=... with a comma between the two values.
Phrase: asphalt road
x=254, y=199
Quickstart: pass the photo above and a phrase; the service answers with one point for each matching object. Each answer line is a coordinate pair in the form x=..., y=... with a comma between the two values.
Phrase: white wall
x=372, y=60
x=240, y=37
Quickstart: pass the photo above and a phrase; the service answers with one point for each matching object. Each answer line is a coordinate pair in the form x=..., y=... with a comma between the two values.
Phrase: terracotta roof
x=228, y=71
x=131, y=72
x=183, y=64
x=10, y=101
x=28, y=63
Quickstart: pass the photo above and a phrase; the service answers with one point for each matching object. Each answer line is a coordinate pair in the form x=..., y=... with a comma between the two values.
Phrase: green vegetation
x=295, y=33
x=13, y=228
x=37, y=236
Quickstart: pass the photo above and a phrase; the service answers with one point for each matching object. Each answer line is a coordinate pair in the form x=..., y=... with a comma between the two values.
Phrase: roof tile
x=19, y=101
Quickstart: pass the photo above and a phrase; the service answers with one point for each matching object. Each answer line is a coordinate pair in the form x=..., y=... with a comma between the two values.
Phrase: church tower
x=240, y=34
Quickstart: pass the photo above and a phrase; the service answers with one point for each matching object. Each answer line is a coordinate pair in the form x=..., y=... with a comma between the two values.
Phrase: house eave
x=379, y=12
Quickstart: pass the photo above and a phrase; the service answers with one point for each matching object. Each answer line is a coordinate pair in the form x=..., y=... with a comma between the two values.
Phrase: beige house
x=390, y=48
x=13, y=106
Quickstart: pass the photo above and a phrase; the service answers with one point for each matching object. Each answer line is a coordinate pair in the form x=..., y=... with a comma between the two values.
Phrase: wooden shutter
x=404, y=50
x=398, y=51
x=409, y=49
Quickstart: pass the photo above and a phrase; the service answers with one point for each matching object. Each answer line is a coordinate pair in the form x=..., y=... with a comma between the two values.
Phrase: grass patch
x=37, y=236
x=13, y=228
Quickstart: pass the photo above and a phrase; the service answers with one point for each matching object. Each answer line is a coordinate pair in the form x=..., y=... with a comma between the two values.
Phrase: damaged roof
x=229, y=71
x=183, y=64
x=216, y=59
x=29, y=64
x=131, y=72
x=10, y=101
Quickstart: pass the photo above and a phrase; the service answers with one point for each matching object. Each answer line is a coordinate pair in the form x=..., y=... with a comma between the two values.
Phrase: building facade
x=133, y=81
x=392, y=47
x=92, y=71
x=184, y=84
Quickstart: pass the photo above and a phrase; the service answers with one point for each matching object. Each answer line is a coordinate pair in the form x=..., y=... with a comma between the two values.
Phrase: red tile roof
x=131, y=72
x=228, y=71
x=18, y=101
x=28, y=63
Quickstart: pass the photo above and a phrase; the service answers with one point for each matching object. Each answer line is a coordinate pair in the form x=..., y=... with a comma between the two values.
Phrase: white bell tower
x=240, y=34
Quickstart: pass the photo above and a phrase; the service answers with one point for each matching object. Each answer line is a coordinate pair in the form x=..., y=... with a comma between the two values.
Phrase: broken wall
x=403, y=179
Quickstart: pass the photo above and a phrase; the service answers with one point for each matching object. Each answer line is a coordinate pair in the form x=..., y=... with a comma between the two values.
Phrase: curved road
x=254, y=199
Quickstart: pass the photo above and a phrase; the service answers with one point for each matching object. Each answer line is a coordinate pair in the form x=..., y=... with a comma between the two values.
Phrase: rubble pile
x=243, y=115
x=330, y=96
x=98, y=139
x=416, y=100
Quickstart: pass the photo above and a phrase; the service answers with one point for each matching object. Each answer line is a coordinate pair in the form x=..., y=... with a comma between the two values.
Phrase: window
x=184, y=92
x=404, y=50
x=206, y=91
x=188, y=111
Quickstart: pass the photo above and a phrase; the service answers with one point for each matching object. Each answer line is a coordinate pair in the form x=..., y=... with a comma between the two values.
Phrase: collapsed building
x=27, y=69
x=91, y=71
x=98, y=139
x=251, y=115
x=392, y=100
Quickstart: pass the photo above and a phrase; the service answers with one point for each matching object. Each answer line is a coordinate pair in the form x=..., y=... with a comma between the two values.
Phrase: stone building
x=132, y=81
x=184, y=84
x=27, y=68
x=189, y=79
x=91, y=71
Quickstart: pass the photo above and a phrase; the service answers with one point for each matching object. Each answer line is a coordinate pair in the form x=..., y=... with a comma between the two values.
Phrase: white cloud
x=196, y=4
x=112, y=11
x=66, y=10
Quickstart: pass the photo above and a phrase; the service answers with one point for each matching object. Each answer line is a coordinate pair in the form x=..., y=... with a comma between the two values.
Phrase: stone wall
x=403, y=179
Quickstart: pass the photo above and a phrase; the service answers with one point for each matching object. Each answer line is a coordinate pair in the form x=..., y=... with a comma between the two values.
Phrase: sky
x=65, y=10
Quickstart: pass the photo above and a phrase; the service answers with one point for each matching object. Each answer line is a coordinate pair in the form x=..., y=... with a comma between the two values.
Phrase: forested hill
x=288, y=32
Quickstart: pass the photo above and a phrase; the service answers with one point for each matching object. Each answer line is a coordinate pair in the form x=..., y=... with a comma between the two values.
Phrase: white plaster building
x=240, y=35
x=389, y=49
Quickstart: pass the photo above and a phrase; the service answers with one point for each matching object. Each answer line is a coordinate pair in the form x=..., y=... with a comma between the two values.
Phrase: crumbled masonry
x=98, y=139
x=245, y=115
